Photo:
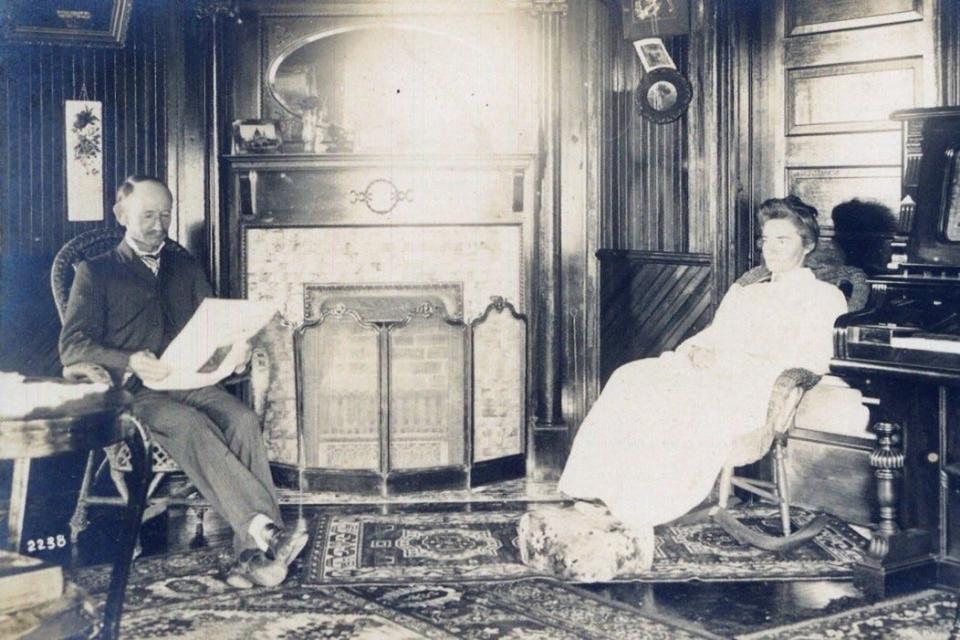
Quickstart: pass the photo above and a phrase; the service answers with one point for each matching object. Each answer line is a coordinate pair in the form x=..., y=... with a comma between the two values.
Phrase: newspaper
x=213, y=344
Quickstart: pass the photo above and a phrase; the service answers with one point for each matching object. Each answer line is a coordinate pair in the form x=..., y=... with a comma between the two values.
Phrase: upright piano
x=903, y=349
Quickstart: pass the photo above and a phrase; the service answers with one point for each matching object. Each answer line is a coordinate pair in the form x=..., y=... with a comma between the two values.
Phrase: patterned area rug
x=384, y=549
x=919, y=616
x=180, y=596
x=520, y=490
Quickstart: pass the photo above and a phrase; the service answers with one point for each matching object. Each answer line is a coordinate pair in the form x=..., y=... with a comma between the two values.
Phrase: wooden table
x=82, y=425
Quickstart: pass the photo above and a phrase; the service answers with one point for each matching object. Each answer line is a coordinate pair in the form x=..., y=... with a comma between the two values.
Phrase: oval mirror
x=382, y=88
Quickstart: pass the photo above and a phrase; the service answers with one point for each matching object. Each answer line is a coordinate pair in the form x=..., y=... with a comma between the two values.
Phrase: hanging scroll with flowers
x=84, y=155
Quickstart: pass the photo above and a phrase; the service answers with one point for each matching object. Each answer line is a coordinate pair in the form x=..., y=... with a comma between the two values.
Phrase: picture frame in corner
x=85, y=23
x=256, y=136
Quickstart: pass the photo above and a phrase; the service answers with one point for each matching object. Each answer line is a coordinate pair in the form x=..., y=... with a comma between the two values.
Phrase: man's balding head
x=143, y=206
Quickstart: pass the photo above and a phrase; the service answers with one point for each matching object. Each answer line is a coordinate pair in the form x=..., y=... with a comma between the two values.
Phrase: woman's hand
x=147, y=367
x=701, y=357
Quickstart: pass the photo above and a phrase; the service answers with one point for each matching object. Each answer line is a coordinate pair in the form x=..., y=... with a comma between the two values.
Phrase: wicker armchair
x=788, y=393
x=117, y=458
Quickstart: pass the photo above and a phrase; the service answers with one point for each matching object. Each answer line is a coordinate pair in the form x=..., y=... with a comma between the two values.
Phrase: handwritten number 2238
x=46, y=544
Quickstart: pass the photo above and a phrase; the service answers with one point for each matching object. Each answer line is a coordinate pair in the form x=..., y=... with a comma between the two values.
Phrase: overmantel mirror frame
x=302, y=41
x=350, y=105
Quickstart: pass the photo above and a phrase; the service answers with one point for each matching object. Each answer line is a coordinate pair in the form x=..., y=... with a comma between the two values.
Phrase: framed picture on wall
x=93, y=23
x=659, y=18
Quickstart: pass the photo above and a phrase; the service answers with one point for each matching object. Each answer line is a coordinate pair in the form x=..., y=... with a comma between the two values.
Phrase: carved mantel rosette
x=381, y=196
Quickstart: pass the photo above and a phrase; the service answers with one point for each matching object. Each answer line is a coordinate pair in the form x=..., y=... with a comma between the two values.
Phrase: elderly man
x=125, y=307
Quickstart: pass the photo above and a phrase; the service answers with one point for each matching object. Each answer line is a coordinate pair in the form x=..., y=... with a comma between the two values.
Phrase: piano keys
x=912, y=320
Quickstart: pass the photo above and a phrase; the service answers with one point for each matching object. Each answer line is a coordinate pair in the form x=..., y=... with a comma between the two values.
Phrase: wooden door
x=833, y=72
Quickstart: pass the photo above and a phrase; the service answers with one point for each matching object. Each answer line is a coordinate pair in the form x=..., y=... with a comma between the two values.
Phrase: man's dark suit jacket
x=118, y=307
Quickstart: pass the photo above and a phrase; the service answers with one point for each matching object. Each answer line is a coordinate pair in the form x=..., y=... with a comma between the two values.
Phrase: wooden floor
x=724, y=609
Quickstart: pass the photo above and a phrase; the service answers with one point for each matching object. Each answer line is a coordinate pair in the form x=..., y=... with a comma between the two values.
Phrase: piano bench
x=833, y=406
x=828, y=452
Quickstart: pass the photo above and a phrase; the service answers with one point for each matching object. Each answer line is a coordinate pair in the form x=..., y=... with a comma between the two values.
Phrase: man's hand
x=147, y=367
x=243, y=356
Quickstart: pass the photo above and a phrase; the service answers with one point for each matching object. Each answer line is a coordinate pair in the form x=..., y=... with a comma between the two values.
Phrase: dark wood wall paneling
x=651, y=301
x=679, y=229
x=649, y=176
x=740, y=154
x=949, y=52
x=35, y=80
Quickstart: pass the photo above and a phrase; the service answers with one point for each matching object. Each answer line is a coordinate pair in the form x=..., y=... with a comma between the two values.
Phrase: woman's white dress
x=652, y=445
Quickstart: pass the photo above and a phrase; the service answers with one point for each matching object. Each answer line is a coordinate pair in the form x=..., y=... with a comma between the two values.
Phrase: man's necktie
x=152, y=260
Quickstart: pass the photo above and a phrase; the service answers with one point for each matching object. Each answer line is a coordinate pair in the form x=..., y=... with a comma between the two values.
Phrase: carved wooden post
x=549, y=441
x=887, y=463
x=210, y=66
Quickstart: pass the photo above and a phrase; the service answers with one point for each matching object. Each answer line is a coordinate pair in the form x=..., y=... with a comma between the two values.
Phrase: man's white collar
x=140, y=252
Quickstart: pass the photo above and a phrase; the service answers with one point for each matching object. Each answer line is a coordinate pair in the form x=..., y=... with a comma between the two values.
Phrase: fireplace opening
x=388, y=389
x=341, y=376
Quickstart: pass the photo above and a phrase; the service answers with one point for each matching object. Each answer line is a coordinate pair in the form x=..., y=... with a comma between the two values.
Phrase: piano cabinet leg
x=892, y=550
x=887, y=463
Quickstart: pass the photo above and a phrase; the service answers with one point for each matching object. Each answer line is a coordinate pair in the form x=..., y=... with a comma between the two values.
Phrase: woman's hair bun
x=801, y=206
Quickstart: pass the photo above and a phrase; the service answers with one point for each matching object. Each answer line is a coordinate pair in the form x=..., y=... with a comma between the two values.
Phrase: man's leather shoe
x=253, y=567
x=284, y=545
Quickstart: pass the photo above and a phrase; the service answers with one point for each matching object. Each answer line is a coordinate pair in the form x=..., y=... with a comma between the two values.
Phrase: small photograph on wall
x=653, y=54
x=84, y=157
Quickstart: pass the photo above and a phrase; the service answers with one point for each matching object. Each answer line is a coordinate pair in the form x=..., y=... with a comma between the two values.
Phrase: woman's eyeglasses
x=776, y=241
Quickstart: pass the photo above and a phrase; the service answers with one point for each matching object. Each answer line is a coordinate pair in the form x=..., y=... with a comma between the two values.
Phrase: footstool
x=582, y=543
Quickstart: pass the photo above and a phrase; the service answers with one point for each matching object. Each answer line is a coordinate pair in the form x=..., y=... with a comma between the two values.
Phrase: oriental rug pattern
x=181, y=596
x=924, y=615
x=391, y=549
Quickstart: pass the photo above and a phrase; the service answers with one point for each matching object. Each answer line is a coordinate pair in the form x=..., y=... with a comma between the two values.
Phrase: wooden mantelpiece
x=426, y=218
x=377, y=190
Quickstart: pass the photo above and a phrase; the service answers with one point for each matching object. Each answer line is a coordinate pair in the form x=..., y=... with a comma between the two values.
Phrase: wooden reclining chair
x=785, y=400
x=87, y=245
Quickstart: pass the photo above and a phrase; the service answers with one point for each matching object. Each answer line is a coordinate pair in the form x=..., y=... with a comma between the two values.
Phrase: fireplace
x=367, y=393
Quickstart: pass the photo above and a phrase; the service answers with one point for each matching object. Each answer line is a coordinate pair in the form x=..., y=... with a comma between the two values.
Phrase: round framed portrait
x=663, y=95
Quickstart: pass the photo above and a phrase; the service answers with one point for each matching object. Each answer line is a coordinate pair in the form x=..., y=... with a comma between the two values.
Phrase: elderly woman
x=653, y=444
